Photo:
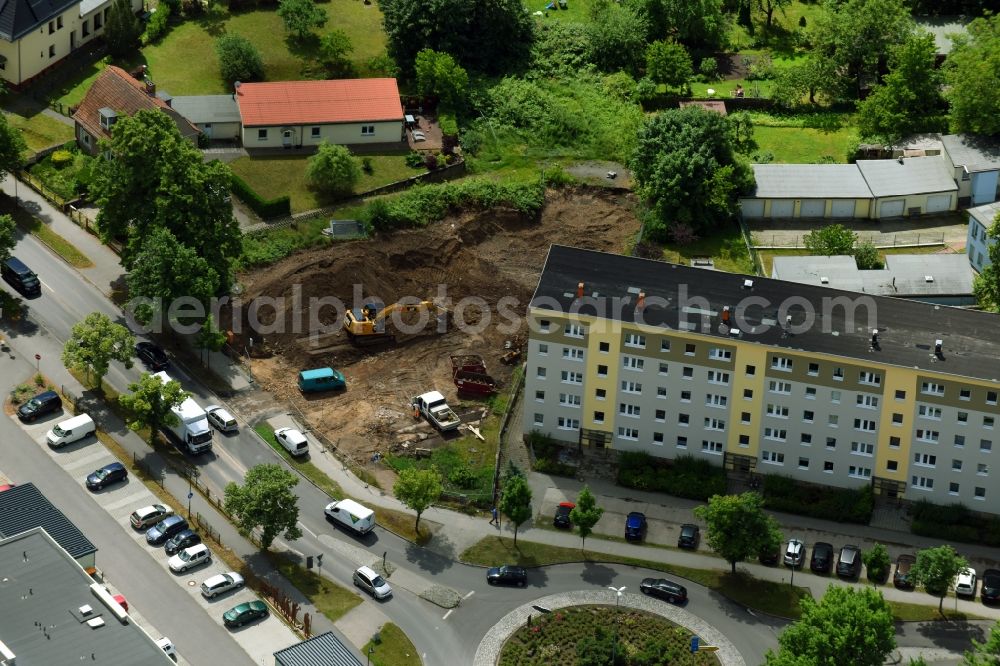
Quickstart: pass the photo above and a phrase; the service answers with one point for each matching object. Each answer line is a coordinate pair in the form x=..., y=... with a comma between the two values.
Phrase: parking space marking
x=90, y=459
x=447, y=614
x=469, y=594
x=139, y=498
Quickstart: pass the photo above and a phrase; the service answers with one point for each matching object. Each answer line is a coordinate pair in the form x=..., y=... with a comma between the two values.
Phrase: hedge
x=685, y=476
x=279, y=207
x=844, y=505
x=954, y=522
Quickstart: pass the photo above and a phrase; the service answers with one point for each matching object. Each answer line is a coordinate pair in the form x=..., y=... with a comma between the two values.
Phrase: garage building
x=808, y=190
x=908, y=187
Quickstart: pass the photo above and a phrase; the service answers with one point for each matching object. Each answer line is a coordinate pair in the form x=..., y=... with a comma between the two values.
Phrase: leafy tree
x=418, y=489
x=987, y=283
x=867, y=256
x=560, y=48
x=831, y=240
x=687, y=169
x=768, y=7
x=383, y=65
x=856, y=37
x=986, y=653
x=698, y=24
x=936, y=569
x=94, y=343
x=12, y=148
x=741, y=129
x=585, y=514
x=150, y=401
x=209, y=337
x=909, y=100
x=669, y=63
x=616, y=37
x=738, y=528
x=972, y=72
x=163, y=271
x=877, y=563
x=515, y=503
x=333, y=169
x=803, y=79
x=438, y=75
x=334, y=49
x=8, y=238
x=301, y=16
x=239, y=59
x=490, y=36
x=122, y=29
x=265, y=500
x=847, y=626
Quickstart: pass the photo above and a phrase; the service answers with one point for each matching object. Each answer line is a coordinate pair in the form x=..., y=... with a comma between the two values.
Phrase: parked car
x=689, y=536
x=221, y=584
x=849, y=562
x=508, y=574
x=372, y=583
x=902, y=578
x=822, y=557
x=965, y=583
x=562, y=515
x=190, y=558
x=292, y=440
x=152, y=356
x=168, y=647
x=222, y=419
x=148, y=516
x=181, y=540
x=770, y=555
x=990, y=593
x=635, y=526
x=795, y=553
x=243, y=613
x=120, y=598
x=105, y=476
x=166, y=528
x=44, y=403
x=664, y=589
x=71, y=430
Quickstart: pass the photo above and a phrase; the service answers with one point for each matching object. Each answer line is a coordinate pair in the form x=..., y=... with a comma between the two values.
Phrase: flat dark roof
x=323, y=650
x=691, y=299
x=24, y=507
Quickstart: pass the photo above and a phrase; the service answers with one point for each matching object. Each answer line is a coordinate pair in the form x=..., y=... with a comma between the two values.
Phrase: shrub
x=463, y=477
x=158, y=24
x=61, y=158
x=685, y=476
x=366, y=165
x=414, y=159
x=709, y=68
x=333, y=169
x=239, y=59
x=866, y=256
x=845, y=505
x=448, y=124
x=278, y=207
x=431, y=162
x=954, y=522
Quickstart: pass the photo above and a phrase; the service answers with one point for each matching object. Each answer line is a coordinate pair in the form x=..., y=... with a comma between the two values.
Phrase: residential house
x=302, y=114
x=978, y=242
x=115, y=94
x=51, y=28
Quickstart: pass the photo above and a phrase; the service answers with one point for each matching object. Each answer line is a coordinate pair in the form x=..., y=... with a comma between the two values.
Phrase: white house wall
x=341, y=133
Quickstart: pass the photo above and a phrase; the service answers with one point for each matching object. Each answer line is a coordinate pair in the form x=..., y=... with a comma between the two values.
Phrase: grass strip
x=42, y=232
x=906, y=612
x=393, y=648
x=330, y=599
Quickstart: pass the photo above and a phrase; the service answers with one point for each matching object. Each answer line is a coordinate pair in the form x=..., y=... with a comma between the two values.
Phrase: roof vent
x=928, y=278
x=938, y=350
x=748, y=284
x=86, y=610
x=579, y=290
x=95, y=623
x=824, y=280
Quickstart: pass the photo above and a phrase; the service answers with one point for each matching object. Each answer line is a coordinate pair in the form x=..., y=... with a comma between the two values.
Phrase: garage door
x=812, y=208
x=752, y=208
x=937, y=203
x=892, y=208
x=842, y=208
x=782, y=208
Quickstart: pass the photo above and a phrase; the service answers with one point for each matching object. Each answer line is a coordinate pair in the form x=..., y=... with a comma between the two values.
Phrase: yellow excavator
x=367, y=325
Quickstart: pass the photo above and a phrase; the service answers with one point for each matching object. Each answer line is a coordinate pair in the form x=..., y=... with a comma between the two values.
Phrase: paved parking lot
x=120, y=500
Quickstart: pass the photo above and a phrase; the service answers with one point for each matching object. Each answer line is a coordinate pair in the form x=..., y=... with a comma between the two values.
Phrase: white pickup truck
x=435, y=409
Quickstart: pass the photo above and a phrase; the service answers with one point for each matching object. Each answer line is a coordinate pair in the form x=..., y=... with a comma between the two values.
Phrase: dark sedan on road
x=562, y=515
x=664, y=589
x=990, y=593
x=152, y=356
x=166, y=528
x=635, y=526
x=822, y=557
x=507, y=575
x=239, y=615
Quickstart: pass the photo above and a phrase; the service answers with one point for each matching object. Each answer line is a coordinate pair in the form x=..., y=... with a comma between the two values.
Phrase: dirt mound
x=487, y=255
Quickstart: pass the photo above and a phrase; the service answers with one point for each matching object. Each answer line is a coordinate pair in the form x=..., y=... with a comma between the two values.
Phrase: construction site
x=486, y=255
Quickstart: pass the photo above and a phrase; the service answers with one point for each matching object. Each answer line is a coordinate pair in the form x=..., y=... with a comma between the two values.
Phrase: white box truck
x=351, y=515
x=191, y=432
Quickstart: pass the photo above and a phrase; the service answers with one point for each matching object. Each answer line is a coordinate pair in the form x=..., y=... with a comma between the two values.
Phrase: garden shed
x=908, y=187
x=217, y=116
x=807, y=190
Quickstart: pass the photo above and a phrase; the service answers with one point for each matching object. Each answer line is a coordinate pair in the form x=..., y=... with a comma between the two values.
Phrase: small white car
x=794, y=553
x=965, y=583
x=372, y=583
x=292, y=440
x=168, y=647
x=222, y=419
x=220, y=584
x=189, y=558
x=148, y=516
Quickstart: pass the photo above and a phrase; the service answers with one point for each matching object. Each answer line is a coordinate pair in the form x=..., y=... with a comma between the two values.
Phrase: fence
x=515, y=393
x=758, y=266
x=40, y=187
x=773, y=241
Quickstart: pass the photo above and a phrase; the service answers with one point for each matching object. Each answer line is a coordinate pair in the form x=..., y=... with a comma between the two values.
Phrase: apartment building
x=767, y=376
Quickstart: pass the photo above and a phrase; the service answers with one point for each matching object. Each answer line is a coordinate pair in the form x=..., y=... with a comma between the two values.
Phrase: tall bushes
x=685, y=476
x=845, y=505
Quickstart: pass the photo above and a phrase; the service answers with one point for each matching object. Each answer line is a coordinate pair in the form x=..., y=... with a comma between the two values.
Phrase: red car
x=6, y=486
x=120, y=598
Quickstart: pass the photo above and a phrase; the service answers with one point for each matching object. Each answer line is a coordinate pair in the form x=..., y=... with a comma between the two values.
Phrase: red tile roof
x=319, y=102
x=115, y=89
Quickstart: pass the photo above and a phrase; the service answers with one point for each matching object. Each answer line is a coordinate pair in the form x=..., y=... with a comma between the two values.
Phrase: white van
x=351, y=515
x=71, y=430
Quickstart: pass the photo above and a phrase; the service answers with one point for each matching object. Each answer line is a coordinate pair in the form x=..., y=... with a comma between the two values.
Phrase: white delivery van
x=351, y=515
x=71, y=430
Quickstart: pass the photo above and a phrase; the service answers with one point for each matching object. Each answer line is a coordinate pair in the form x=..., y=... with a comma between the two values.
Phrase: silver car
x=221, y=419
x=220, y=584
x=372, y=583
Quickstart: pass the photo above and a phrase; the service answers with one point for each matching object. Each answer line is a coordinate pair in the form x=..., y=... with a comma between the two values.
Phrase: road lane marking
x=46, y=286
x=448, y=613
x=469, y=594
x=307, y=530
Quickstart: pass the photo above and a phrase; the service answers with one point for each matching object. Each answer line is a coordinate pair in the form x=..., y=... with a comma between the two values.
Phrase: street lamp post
x=618, y=597
x=371, y=650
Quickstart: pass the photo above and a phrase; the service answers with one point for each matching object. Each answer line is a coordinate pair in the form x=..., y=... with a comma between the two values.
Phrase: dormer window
x=108, y=117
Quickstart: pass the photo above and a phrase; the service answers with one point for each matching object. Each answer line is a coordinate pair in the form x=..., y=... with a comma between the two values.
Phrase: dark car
x=635, y=526
x=239, y=615
x=105, y=476
x=562, y=515
x=690, y=534
x=990, y=593
x=40, y=405
x=664, y=589
x=166, y=528
x=152, y=356
x=181, y=540
x=822, y=557
x=902, y=577
x=507, y=575
x=849, y=565
x=770, y=555
x=22, y=278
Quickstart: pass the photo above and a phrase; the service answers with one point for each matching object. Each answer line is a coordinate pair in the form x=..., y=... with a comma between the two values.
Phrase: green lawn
x=726, y=248
x=767, y=256
x=905, y=612
x=804, y=145
x=185, y=63
x=393, y=648
x=39, y=130
x=275, y=176
x=44, y=233
x=330, y=599
x=577, y=11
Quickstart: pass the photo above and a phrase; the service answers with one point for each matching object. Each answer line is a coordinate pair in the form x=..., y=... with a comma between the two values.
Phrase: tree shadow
x=597, y=574
x=213, y=21
x=430, y=561
x=305, y=47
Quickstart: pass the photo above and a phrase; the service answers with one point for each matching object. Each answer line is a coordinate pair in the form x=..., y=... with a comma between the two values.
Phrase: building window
x=962, y=418
x=897, y=418
x=985, y=445
x=543, y=349
x=685, y=396
x=714, y=448
x=661, y=391
x=807, y=416
x=658, y=438
x=772, y=457
x=600, y=394
x=930, y=436
x=891, y=465
x=626, y=409
x=744, y=440
x=859, y=472
x=59, y=23
x=831, y=442
x=569, y=400
x=956, y=465
x=748, y=394
x=604, y=347
x=52, y=27
x=780, y=387
x=751, y=370
x=867, y=400
x=664, y=346
x=689, y=349
x=982, y=469
x=776, y=434
x=540, y=372
x=598, y=417
x=928, y=412
x=85, y=27
x=923, y=483
x=781, y=363
x=664, y=368
x=661, y=415
x=314, y=132
x=988, y=422
x=806, y=438
x=682, y=442
x=924, y=459
x=571, y=377
x=745, y=418
x=628, y=433
x=716, y=377
x=833, y=420
x=714, y=400
x=932, y=388
x=574, y=330
x=52, y=51
x=539, y=396
x=900, y=394
x=835, y=397
x=568, y=424
x=814, y=369
x=965, y=394
x=864, y=425
x=719, y=354
x=777, y=411
x=714, y=424
x=635, y=340
x=991, y=397
x=863, y=448
x=262, y=135
x=602, y=371
x=838, y=374
x=803, y=463
x=952, y=488
x=573, y=353
x=631, y=387
x=683, y=419
x=870, y=378
x=959, y=441
x=687, y=372
x=367, y=130
x=828, y=467
x=980, y=493
x=97, y=22
x=543, y=325
x=894, y=442
x=539, y=419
